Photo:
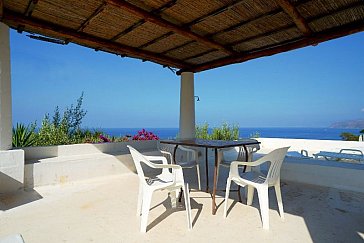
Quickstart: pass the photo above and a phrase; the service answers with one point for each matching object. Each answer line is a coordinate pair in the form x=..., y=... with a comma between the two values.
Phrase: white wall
x=312, y=146
x=11, y=170
x=66, y=163
x=336, y=174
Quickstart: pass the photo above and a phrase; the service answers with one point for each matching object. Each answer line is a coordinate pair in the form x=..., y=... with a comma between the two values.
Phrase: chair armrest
x=164, y=166
x=252, y=163
x=352, y=150
x=157, y=158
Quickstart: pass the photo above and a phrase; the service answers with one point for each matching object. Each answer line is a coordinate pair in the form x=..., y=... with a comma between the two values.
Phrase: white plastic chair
x=241, y=156
x=191, y=160
x=170, y=181
x=259, y=181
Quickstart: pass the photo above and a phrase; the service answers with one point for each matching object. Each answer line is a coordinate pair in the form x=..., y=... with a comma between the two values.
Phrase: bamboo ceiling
x=191, y=35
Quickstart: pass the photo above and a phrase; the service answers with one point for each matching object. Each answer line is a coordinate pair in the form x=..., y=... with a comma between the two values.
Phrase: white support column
x=5, y=90
x=187, y=106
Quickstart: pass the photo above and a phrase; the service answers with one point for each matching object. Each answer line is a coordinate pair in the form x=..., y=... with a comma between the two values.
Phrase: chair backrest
x=169, y=148
x=276, y=158
x=182, y=153
x=251, y=149
x=138, y=158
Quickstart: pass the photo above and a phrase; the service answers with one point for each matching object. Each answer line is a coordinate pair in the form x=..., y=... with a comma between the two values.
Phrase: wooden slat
x=333, y=33
x=297, y=18
x=45, y=28
x=165, y=24
x=92, y=16
x=30, y=7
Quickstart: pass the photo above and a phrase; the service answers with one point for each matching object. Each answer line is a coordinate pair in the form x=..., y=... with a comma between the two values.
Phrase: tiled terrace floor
x=103, y=210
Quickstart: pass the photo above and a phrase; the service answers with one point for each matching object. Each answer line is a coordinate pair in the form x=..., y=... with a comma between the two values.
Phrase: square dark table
x=213, y=144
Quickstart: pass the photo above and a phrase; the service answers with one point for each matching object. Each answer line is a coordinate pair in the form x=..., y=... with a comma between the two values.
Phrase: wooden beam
x=297, y=18
x=92, y=16
x=156, y=40
x=198, y=55
x=196, y=21
x=285, y=28
x=1, y=9
x=128, y=30
x=142, y=21
x=177, y=47
x=215, y=12
x=234, y=27
x=330, y=34
x=31, y=5
x=168, y=25
x=45, y=28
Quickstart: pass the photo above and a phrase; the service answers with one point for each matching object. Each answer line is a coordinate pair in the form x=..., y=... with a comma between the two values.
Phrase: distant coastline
x=274, y=132
x=352, y=124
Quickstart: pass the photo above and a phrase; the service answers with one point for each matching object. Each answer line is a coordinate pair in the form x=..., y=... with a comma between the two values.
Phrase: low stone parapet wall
x=66, y=163
x=346, y=175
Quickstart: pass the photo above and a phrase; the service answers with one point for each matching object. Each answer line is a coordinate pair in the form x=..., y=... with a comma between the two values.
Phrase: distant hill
x=348, y=124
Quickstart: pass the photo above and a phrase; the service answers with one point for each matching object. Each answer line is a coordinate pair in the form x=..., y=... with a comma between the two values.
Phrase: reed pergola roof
x=187, y=34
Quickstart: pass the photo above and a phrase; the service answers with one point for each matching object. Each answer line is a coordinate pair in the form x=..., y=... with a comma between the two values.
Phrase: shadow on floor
x=17, y=198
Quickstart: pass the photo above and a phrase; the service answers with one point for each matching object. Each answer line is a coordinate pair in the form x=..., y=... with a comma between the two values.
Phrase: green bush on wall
x=225, y=132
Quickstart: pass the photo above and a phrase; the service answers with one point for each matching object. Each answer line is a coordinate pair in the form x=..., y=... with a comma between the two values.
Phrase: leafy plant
x=225, y=132
x=255, y=135
x=49, y=134
x=347, y=136
x=202, y=131
x=24, y=136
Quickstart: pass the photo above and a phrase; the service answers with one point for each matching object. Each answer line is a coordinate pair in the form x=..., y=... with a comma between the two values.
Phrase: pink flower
x=145, y=135
x=104, y=139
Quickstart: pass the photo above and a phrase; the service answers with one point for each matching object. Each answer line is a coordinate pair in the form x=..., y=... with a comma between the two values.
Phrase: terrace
x=88, y=192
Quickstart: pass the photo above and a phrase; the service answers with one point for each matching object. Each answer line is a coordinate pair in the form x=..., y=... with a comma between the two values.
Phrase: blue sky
x=308, y=87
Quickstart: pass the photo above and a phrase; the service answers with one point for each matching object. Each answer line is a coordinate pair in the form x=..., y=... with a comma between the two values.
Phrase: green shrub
x=49, y=134
x=225, y=132
x=347, y=136
x=24, y=136
x=255, y=135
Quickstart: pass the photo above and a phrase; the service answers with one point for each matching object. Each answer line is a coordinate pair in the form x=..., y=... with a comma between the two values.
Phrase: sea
x=264, y=132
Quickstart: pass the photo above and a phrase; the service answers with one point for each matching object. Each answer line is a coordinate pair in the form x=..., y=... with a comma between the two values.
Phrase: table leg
x=207, y=169
x=215, y=185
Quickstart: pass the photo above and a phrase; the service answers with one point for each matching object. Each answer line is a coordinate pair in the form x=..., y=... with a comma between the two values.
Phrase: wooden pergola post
x=5, y=90
x=187, y=106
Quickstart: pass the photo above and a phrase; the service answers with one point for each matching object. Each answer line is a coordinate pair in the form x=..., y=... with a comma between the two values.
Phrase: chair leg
x=140, y=200
x=264, y=205
x=147, y=198
x=188, y=206
x=277, y=188
x=250, y=195
x=198, y=177
x=174, y=195
x=228, y=183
